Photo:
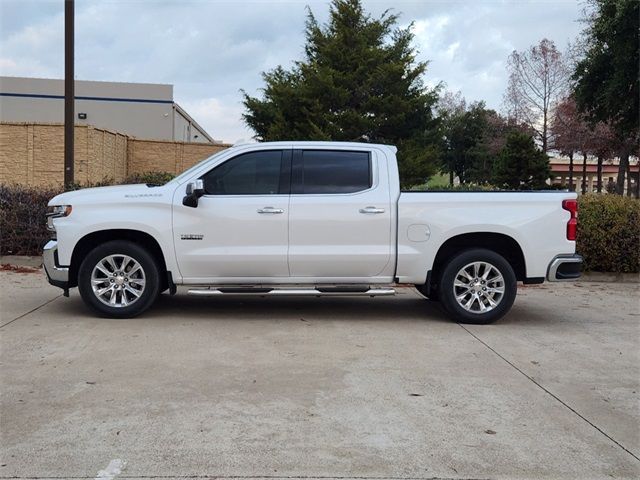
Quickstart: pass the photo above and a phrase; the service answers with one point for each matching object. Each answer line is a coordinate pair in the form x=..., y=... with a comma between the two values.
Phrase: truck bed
x=535, y=220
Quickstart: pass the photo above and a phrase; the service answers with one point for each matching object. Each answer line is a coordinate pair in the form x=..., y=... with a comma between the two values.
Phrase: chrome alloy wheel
x=118, y=280
x=478, y=287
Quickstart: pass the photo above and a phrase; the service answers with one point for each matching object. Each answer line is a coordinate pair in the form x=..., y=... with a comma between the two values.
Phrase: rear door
x=339, y=215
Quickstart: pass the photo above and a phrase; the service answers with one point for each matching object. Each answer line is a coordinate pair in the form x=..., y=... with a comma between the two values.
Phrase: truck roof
x=307, y=144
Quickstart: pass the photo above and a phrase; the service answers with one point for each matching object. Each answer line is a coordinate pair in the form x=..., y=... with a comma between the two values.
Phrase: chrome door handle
x=270, y=210
x=370, y=210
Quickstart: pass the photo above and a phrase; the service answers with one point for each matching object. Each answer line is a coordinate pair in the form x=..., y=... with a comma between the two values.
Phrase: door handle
x=371, y=210
x=270, y=210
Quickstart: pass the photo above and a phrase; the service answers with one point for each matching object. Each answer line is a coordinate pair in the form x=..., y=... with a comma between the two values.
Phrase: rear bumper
x=57, y=275
x=564, y=268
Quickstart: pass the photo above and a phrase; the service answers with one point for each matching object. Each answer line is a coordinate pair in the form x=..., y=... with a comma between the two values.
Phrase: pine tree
x=359, y=80
x=521, y=166
x=473, y=137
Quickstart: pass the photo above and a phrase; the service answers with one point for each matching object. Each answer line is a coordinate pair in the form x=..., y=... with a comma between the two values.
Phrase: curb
x=606, y=277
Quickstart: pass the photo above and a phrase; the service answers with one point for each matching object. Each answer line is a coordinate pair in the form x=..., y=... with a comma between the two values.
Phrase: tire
x=479, y=303
x=126, y=292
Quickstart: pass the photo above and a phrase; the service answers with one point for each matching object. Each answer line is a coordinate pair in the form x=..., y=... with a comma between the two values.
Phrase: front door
x=340, y=216
x=239, y=230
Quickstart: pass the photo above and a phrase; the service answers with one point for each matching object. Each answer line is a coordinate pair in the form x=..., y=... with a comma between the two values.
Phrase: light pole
x=69, y=93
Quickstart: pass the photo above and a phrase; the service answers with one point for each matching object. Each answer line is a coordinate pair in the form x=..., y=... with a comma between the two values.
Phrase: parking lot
x=321, y=387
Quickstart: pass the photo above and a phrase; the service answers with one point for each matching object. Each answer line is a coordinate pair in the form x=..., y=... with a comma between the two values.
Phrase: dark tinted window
x=255, y=173
x=335, y=171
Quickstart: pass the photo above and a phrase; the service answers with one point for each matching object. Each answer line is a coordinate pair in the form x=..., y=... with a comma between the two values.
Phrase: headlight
x=57, y=211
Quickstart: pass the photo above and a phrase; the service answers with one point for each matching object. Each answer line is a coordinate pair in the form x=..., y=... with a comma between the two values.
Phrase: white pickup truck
x=307, y=218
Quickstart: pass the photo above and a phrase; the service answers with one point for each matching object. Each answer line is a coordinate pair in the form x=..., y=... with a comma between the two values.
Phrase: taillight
x=572, y=225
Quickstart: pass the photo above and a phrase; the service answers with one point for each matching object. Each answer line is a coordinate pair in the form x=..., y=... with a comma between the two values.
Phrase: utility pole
x=69, y=91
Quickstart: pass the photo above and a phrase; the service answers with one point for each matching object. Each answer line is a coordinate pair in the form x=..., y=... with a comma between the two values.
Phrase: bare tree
x=538, y=79
x=451, y=103
x=603, y=144
x=565, y=128
x=572, y=134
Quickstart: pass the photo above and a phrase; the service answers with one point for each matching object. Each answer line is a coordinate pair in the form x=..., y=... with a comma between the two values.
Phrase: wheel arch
x=91, y=240
x=499, y=243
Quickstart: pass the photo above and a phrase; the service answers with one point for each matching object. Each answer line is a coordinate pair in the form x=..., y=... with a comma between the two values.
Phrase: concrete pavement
x=320, y=388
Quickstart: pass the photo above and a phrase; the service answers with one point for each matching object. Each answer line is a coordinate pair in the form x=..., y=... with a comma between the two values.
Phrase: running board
x=309, y=292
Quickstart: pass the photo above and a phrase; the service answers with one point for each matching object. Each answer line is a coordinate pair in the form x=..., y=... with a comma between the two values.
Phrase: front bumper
x=565, y=268
x=57, y=275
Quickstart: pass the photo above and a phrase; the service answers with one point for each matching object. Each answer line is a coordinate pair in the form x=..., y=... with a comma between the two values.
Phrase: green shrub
x=609, y=233
x=153, y=178
x=105, y=182
x=23, y=228
x=462, y=187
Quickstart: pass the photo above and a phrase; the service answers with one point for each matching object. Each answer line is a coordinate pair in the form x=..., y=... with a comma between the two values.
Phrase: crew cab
x=307, y=218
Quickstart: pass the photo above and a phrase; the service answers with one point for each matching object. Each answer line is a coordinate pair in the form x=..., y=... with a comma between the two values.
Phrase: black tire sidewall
x=448, y=276
x=137, y=252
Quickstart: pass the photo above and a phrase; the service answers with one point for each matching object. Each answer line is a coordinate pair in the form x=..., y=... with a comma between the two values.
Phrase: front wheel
x=477, y=286
x=119, y=279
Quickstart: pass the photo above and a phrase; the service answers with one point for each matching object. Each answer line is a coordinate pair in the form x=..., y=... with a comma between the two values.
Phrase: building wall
x=135, y=109
x=88, y=88
x=33, y=154
x=181, y=128
x=145, y=120
x=174, y=157
x=185, y=129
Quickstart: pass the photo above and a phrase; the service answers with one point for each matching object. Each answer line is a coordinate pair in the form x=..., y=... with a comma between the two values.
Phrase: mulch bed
x=6, y=267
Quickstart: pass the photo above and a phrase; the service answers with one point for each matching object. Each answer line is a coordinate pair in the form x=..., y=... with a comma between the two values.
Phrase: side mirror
x=194, y=191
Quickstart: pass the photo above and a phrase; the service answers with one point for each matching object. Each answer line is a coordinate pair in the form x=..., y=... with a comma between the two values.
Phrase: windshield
x=189, y=171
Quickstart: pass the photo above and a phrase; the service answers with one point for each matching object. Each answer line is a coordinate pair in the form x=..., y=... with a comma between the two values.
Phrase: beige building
x=140, y=110
x=560, y=173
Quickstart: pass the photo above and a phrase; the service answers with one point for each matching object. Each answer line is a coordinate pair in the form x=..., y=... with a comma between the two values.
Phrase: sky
x=210, y=49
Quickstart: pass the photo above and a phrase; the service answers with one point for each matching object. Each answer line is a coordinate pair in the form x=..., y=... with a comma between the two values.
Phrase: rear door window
x=332, y=172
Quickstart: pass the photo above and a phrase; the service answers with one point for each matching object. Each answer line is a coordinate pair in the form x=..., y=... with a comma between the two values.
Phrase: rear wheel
x=477, y=286
x=119, y=279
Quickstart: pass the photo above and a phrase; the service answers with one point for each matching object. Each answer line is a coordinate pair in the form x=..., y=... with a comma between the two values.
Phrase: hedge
x=470, y=187
x=23, y=229
x=608, y=225
x=609, y=233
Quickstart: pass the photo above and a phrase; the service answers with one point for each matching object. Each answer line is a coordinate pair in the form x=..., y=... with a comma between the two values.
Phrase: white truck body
x=376, y=235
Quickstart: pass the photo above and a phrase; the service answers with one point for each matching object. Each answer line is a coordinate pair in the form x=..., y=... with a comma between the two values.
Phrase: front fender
x=153, y=219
